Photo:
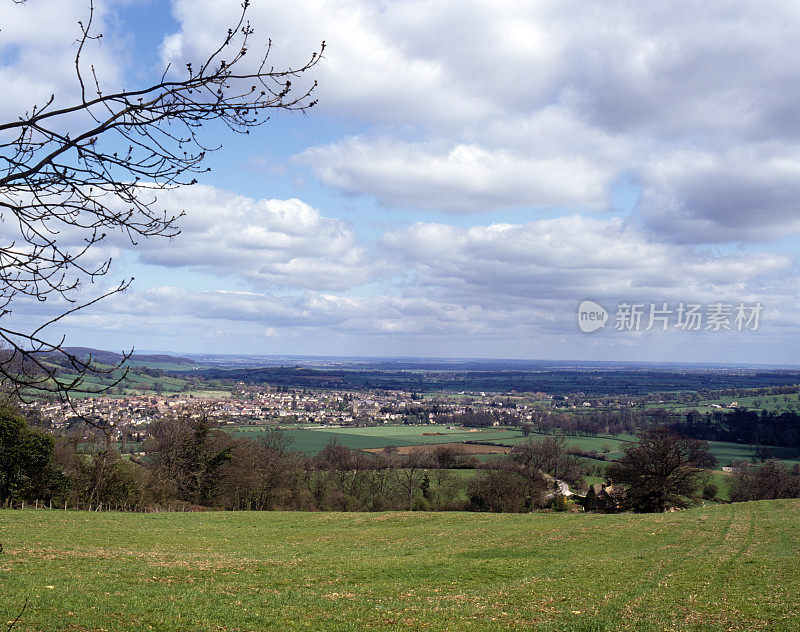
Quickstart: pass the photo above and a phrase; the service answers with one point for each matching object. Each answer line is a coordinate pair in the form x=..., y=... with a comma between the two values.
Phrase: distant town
x=264, y=405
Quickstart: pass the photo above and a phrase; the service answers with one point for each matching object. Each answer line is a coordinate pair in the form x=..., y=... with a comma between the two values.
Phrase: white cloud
x=369, y=71
x=532, y=103
x=269, y=243
x=471, y=106
x=37, y=54
x=564, y=260
x=487, y=282
x=624, y=64
x=462, y=178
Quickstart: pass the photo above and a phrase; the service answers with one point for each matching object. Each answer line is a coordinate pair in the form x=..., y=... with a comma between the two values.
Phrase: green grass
x=600, y=443
x=725, y=567
x=203, y=393
x=430, y=433
x=313, y=439
x=727, y=453
x=134, y=383
x=723, y=483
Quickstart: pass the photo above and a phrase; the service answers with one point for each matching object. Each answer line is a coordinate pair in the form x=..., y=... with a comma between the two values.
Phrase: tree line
x=757, y=427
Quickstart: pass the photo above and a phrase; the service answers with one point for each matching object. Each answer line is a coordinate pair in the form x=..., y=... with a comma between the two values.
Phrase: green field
x=771, y=403
x=311, y=440
x=726, y=567
x=315, y=439
x=607, y=445
x=723, y=483
x=134, y=383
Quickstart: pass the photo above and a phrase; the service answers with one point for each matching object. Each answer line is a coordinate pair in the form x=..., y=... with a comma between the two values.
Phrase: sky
x=473, y=172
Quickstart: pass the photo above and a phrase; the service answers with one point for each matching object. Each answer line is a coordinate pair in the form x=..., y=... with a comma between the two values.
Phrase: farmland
x=314, y=439
x=369, y=438
x=729, y=567
x=405, y=438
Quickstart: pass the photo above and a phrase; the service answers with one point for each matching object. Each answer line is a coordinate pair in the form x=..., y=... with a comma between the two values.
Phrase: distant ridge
x=109, y=357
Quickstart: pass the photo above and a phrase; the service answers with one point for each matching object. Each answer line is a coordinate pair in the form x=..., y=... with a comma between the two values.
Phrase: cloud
x=750, y=193
x=462, y=178
x=264, y=243
x=37, y=54
x=312, y=314
x=564, y=260
x=468, y=107
x=269, y=243
x=624, y=64
x=485, y=282
x=373, y=72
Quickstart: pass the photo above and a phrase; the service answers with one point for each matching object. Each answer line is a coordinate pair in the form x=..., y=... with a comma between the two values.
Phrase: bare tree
x=73, y=173
x=662, y=470
x=550, y=455
x=765, y=482
x=502, y=485
x=410, y=472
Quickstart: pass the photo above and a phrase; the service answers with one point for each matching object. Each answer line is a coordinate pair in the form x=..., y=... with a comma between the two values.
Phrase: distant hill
x=109, y=357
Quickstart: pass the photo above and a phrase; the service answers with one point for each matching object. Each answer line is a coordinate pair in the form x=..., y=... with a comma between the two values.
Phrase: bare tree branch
x=71, y=174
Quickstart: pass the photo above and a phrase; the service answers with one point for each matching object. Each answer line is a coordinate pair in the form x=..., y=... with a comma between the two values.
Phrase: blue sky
x=474, y=170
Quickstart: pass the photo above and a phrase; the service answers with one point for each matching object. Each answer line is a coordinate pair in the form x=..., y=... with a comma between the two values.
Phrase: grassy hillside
x=730, y=567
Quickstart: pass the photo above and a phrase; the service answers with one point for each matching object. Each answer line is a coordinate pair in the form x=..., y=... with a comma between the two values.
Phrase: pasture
x=315, y=439
x=312, y=440
x=727, y=567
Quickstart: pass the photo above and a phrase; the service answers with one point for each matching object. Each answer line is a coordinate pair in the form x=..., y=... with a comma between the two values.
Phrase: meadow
x=314, y=439
x=772, y=403
x=724, y=567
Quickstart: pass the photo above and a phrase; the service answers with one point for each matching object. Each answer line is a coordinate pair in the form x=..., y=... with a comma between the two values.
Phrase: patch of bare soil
x=458, y=448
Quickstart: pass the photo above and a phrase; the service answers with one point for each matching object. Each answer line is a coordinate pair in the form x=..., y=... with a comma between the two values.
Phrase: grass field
x=313, y=439
x=727, y=567
x=760, y=402
x=133, y=384
x=610, y=446
x=138, y=383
